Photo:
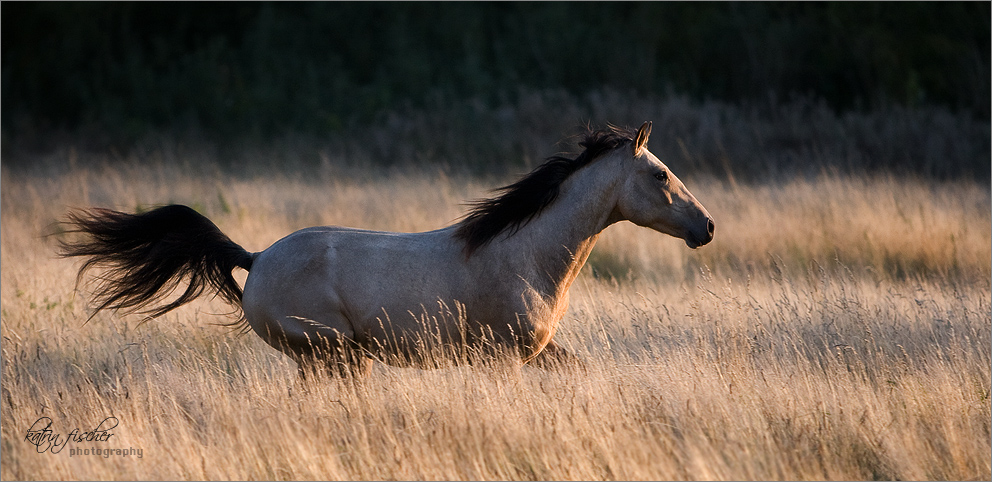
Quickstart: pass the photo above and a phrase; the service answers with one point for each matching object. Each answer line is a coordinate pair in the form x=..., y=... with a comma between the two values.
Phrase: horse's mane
x=521, y=201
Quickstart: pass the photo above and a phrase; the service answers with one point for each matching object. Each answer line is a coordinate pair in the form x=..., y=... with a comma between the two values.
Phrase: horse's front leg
x=554, y=357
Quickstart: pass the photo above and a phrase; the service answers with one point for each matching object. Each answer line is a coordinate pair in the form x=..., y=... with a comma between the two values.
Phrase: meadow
x=838, y=327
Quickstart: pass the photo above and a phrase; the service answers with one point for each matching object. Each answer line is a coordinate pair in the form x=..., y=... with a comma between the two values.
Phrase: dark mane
x=521, y=201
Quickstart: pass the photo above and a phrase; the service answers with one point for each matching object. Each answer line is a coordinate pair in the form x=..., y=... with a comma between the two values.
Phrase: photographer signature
x=44, y=438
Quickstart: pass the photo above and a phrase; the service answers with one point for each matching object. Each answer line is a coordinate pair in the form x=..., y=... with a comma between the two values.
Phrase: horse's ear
x=641, y=141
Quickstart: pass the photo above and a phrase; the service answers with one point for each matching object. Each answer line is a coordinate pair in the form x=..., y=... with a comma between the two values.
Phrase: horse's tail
x=148, y=255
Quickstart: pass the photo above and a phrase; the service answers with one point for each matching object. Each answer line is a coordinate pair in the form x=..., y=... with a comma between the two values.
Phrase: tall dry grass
x=837, y=328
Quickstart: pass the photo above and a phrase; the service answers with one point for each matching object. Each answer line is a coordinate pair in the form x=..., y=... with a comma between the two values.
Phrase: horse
x=496, y=280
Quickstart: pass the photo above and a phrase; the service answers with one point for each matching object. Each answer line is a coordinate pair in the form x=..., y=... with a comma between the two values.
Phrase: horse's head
x=651, y=196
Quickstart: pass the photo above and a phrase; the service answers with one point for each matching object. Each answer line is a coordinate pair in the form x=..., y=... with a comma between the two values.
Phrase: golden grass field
x=836, y=328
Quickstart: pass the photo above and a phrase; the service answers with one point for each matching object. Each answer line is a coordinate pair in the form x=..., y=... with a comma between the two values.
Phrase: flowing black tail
x=147, y=256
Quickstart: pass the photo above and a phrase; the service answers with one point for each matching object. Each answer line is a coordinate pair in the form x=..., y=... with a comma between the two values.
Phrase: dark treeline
x=114, y=72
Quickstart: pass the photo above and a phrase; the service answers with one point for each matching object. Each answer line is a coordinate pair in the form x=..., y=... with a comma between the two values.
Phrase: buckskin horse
x=339, y=298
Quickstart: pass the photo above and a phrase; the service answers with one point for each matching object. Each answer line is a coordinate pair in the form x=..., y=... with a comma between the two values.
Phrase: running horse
x=338, y=298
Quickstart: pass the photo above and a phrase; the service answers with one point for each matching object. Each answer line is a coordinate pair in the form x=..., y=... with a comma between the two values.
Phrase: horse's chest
x=543, y=316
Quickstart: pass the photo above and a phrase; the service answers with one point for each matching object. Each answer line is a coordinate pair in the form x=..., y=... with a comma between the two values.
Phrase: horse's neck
x=559, y=240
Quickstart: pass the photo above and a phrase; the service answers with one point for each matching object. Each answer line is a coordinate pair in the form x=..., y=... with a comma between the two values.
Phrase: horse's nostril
x=710, y=227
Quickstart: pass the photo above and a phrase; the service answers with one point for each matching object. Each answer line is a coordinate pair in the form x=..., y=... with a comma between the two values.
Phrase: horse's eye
x=661, y=176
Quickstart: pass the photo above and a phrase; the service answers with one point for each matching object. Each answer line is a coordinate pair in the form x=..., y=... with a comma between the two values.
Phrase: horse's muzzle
x=695, y=240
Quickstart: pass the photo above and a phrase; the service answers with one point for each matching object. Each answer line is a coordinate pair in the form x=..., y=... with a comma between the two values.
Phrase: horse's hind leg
x=331, y=358
x=317, y=348
x=324, y=356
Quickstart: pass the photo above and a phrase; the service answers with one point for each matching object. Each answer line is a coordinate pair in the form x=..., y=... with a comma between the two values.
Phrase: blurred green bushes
x=113, y=73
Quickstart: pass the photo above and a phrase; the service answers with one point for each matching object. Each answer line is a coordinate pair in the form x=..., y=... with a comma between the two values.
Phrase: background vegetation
x=109, y=76
x=835, y=328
